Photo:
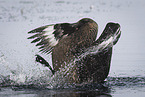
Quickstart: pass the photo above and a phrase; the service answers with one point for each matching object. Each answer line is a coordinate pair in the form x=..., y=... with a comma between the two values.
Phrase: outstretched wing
x=49, y=36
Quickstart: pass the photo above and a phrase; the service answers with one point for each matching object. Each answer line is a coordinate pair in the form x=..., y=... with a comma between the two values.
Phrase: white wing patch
x=44, y=37
x=97, y=48
x=49, y=33
x=106, y=43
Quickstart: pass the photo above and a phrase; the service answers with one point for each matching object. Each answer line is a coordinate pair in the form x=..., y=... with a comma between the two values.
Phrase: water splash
x=18, y=76
x=43, y=78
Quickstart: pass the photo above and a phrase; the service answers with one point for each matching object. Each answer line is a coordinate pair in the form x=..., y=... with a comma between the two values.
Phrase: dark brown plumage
x=70, y=41
x=68, y=47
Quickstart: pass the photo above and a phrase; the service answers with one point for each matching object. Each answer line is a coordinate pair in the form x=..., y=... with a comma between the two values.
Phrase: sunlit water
x=21, y=76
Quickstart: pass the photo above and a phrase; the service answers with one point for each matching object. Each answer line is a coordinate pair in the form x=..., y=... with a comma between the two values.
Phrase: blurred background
x=17, y=17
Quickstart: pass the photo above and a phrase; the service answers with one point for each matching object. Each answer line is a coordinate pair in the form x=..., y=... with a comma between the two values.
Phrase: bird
x=77, y=41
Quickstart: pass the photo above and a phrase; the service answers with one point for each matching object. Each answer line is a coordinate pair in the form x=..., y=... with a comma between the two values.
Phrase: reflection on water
x=88, y=90
x=6, y=92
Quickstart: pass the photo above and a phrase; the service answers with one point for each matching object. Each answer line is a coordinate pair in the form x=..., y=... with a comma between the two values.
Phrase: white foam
x=18, y=78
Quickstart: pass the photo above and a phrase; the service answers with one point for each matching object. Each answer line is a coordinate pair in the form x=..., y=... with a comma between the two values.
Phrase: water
x=21, y=76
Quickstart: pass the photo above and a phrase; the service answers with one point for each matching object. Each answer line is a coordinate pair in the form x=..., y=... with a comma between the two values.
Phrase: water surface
x=17, y=55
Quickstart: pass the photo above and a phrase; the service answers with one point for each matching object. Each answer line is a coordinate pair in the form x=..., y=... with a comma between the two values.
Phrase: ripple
x=5, y=81
x=126, y=81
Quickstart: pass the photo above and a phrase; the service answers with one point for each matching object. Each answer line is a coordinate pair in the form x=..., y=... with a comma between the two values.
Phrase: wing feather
x=46, y=37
